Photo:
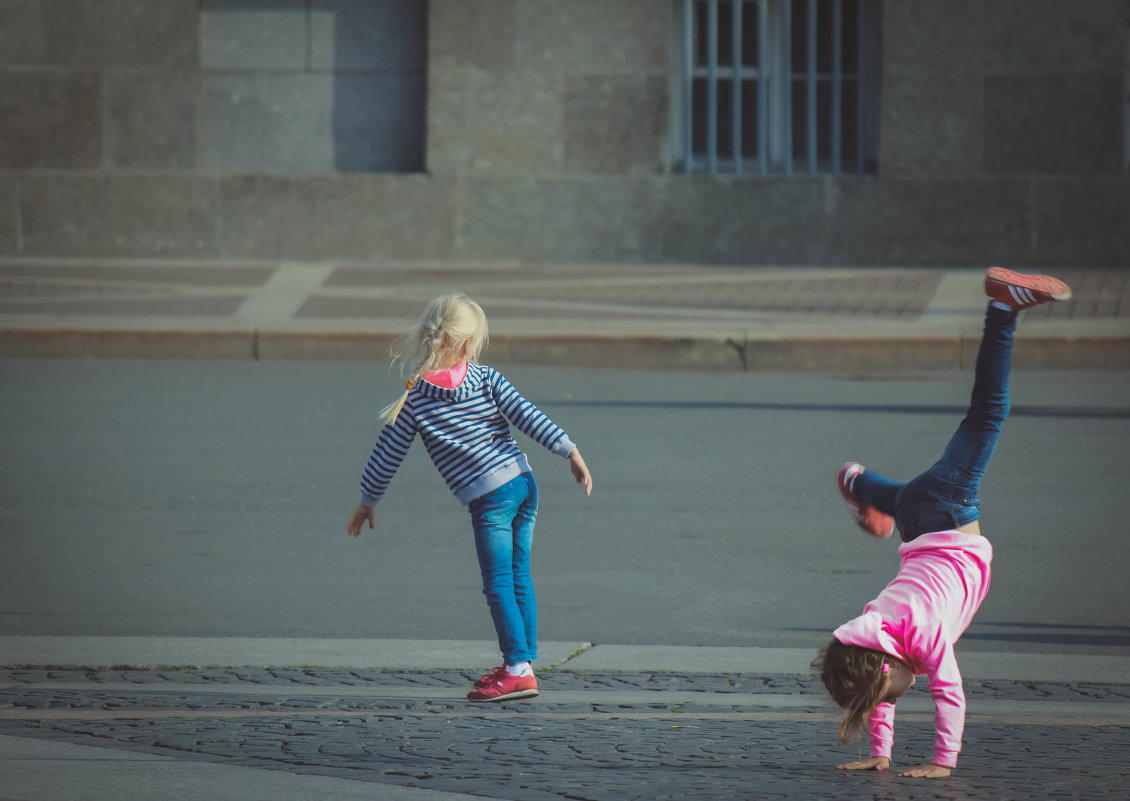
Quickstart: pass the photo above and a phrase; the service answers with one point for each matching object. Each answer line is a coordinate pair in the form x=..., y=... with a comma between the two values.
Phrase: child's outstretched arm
x=359, y=516
x=580, y=470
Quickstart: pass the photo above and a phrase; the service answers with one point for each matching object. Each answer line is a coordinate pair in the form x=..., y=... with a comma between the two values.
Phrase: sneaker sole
x=510, y=697
x=1052, y=287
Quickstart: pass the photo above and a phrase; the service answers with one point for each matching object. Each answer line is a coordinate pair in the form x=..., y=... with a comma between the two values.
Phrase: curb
x=769, y=353
x=156, y=653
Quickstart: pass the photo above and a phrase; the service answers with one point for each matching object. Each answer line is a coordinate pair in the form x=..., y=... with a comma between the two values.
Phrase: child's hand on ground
x=580, y=470
x=360, y=515
x=874, y=763
x=927, y=772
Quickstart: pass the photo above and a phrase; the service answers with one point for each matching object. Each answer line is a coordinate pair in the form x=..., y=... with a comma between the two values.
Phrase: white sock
x=520, y=669
x=996, y=304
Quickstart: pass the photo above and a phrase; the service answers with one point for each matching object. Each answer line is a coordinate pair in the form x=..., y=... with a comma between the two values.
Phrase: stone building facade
x=543, y=131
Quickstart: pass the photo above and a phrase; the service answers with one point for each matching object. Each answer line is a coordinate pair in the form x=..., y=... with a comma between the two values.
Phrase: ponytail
x=392, y=411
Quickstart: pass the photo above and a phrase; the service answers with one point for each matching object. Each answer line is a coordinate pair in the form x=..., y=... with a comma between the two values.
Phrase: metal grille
x=779, y=86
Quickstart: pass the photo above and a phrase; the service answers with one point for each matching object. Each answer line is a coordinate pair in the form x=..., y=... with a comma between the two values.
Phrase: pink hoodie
x=942, y=581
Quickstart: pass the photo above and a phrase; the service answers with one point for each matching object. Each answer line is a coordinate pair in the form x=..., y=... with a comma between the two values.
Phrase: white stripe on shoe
x=1022, y=296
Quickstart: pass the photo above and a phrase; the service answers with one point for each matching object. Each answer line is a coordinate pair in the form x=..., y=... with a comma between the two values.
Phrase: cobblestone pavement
x=600, y=737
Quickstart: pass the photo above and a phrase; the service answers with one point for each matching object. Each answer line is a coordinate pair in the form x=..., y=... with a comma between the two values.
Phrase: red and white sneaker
x=867, y=517
x=1022, y=291
x=488, y=679
x=505, y=687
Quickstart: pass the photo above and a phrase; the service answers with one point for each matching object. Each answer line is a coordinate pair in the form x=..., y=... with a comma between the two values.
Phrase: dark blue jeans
x=504, y=534
x=945, y=496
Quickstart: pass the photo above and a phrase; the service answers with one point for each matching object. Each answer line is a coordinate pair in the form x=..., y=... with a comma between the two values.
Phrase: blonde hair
x=854, y=677
x=451, y=326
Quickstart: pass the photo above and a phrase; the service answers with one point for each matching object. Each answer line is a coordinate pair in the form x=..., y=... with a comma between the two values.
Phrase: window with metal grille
x=778, y=87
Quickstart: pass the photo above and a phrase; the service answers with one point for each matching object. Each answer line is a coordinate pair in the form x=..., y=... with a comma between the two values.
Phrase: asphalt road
x=182, y=498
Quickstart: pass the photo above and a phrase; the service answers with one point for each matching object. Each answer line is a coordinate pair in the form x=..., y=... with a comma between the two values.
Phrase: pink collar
x=448, y=379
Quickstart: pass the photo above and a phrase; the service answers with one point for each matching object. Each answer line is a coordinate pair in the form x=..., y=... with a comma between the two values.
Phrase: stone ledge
x=776, y=353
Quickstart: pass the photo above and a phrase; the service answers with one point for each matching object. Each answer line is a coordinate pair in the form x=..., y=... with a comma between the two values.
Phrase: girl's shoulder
x=483, y=373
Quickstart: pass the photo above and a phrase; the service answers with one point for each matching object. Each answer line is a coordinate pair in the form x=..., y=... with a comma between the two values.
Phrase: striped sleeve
x=527, y=418
x=392, y=446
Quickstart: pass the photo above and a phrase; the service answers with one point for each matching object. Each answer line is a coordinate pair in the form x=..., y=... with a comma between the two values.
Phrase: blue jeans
x=945, y=496
x=504, y=533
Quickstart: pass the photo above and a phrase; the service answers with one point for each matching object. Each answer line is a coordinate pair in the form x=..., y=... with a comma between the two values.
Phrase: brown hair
x=854, y=677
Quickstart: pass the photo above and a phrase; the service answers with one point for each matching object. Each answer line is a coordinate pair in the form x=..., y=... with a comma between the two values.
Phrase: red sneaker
x=1022, y=291
x=506, y=688
x=868, y=518
x=488, y=679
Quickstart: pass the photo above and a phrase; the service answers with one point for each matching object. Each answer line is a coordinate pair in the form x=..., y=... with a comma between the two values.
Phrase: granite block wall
x=120, y=214
x=538, y=130
x=354, y=217
x=9, y=215
x=547, y=88
x=312, y=86
x=1001, y=140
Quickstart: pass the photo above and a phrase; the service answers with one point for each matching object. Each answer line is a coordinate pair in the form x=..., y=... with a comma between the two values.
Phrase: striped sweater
x=466, y=435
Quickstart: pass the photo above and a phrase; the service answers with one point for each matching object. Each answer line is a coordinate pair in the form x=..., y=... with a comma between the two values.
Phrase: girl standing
x=461, y=411
x=912, y=626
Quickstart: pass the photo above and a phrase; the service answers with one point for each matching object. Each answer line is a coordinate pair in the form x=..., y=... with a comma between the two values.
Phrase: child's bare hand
x=927, y=772
x=360, y=515
x=874, y=763
x=580, y=470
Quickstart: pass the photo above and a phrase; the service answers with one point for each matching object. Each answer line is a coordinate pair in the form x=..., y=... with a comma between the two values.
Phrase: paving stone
x=579, y=750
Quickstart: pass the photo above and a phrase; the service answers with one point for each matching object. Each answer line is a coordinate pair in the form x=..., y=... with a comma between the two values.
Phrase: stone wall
x=249, y=129
x=1012, y=109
